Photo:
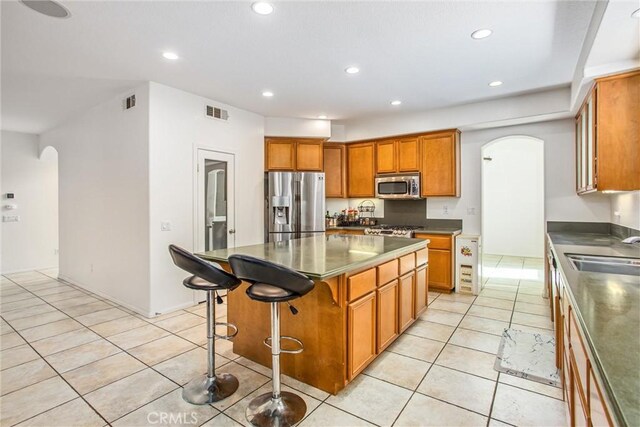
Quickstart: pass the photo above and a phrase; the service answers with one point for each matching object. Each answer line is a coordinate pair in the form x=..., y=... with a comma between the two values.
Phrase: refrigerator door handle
x=297, y=205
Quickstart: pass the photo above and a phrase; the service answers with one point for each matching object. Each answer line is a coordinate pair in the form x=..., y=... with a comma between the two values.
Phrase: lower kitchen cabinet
x=361, y=318
x=388, y=330
x=406, y=301
x=422, y=292
x=440, y=261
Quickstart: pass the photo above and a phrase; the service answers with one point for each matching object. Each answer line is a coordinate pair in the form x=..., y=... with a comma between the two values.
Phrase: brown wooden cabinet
x=440, y=164
x=293, y=154
x=386, y=156
x=440, y=261
x=361, y=318
x=335, y=170
x=398, y=155
x=607, y=135
x=406, y=292
x=361, y=169
x=387, y=299
x=357, y=232
x=421, y=290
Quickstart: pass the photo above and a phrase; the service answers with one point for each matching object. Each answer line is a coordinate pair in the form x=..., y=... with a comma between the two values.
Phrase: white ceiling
x=419, y=52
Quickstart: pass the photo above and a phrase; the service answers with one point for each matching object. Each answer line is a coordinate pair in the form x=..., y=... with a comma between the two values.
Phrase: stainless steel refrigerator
x=295, y=205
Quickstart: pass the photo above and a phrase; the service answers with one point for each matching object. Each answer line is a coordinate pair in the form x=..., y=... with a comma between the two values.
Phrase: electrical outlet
x=10, y=218
x=471, y=211
x=445, y=210
x=56, y=251
x=165, y=226
x=91, y=268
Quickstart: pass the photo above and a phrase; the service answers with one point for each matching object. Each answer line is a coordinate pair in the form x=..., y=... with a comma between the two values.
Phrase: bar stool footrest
x=267, y=342
x=229, y=325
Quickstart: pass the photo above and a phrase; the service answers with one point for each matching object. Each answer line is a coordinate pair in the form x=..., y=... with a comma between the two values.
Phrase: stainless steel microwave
x=398, y=186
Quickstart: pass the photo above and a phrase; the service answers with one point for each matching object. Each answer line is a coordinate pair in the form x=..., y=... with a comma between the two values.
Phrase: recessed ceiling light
x=267, y=94
x=170, y=55
x=481, y=34
x=262, y=8
x=495, y=84
x=352, y=70
x=322, y=117
x=396, y=102
x=636, y=14
x=47, y=7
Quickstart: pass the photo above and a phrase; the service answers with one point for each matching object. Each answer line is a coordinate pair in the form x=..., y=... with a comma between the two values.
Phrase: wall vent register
x=216, y=113
x=129, y=102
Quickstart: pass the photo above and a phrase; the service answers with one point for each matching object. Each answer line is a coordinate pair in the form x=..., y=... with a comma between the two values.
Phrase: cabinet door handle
x=232, y=231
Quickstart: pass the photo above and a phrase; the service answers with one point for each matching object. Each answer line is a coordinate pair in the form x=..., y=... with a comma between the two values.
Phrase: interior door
x=215, y=224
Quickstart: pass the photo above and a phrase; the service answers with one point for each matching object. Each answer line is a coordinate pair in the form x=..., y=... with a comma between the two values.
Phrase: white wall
x=284, y=126
x=104, y=199
x=513, y=197
x=31, y=243
x=625, y=209
x=177, y=126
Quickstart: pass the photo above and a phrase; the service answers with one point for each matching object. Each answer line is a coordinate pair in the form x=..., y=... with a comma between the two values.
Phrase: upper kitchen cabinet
x=360, y=169
x=397, y=156
x=293, y=154
x=335, y=169
x=440, y=164
x=607, y=135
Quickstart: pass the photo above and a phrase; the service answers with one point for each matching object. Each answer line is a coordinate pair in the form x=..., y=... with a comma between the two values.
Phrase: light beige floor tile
x=543, y=322
x=458, y=297
x=376, y=401
x=432, y=297
x=102, y=372
x=163, y=316
x=237, y=411
x=225, y=349
x=221, y=420
x=481, y=324
x=11, y=340
x=181, y=322
x=416, y=347
x=73, y=293
x=531, y=291
x=50, y=329
x=189, y=365
x=533, y=299
x=398, y=369
x=75, y=413
x=254, y=366
x=17, y=296
x=5, y=328
x=16, y=356
x=467, y=360
x=79, y=310
x=29, y=401
x=81, y=355
x=304, y=388
x=524, y=408
x=117, y=326
x=547, y=390
x=443, y=317
x=7, y=307
x=11, y=316
x=500, y=279
x=492, y=293
x=540, y=310
x=326, y=415
x=72, y=302
x=468, y=391
x=531, y=329
x=138, y=336
x=24, y=375
x=197, y=334
x=132, y=392
x=64, y=341
x=452, y=306
x=490, y=313
x=249, y=381
x=161, y=349
x=496, y=423
x=434, y=331
x=53, y=290
x=425, y=411
x=172, y=404
x=494, y=302
x=101, y=316
x=476, y=340
x=37, y=320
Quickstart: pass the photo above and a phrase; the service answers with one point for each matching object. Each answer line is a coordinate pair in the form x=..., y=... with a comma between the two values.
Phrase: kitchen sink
x=605, y=264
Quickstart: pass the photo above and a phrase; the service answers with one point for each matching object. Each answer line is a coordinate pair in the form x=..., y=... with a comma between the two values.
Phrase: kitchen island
x=368, y=290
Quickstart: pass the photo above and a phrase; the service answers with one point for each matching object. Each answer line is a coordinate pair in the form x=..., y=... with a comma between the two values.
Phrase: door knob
x=232, y=231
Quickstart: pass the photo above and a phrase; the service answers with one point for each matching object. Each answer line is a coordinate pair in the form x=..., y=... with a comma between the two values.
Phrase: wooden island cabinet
x=351, y=316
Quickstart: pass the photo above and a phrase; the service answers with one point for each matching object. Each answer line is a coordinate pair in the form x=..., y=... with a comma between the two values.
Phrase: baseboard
x=26, y=270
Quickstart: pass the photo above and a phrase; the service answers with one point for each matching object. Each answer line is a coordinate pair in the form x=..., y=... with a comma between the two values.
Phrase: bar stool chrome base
x=267, y=411
x=205, y=389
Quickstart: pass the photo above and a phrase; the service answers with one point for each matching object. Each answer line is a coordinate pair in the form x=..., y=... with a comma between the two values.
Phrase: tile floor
x=69, y=358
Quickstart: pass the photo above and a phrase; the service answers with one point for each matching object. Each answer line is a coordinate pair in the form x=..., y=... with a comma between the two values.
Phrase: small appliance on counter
x=468, y=268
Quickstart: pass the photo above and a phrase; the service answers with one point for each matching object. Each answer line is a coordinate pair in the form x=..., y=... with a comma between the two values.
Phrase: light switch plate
x=165, y=226
x=10, y=218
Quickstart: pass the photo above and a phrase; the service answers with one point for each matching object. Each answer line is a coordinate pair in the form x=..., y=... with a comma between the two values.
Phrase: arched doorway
x=513, y=196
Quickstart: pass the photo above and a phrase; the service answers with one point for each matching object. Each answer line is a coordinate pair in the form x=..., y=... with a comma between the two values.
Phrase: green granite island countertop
x=608, y=308
x=324, y=256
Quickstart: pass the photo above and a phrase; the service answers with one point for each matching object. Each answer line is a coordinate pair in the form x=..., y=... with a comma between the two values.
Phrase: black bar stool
x=209, y=277
x=274, y=284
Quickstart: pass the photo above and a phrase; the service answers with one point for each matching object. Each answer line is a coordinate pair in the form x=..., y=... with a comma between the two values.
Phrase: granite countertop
x=426, y=230
x=608, y=308
x=325, y=256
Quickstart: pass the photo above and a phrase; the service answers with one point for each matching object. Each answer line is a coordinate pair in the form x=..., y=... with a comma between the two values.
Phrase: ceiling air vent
x=129, y=102
x=217, y=113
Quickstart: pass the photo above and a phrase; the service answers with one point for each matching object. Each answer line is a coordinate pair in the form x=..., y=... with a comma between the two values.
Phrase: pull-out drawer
x=437, y=241
x=361, y=284
x=387, y=272
x=422, y=257
x=407, y=263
